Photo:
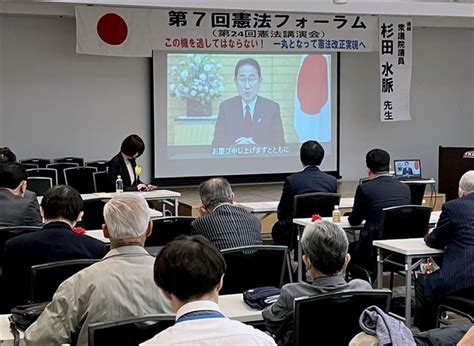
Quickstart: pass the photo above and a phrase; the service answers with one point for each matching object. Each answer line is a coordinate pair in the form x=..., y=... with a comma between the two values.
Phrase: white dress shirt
x=130, y=170
x=216, y=331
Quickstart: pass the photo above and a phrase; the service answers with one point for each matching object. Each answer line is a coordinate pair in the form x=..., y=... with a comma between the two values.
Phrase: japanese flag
x=113, y=31
x=312, y=104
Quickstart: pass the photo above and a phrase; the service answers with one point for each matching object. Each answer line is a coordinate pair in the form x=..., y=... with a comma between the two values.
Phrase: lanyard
x=190, y=317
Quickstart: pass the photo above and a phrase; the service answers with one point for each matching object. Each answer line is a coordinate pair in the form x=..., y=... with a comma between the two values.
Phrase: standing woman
x=124, y=164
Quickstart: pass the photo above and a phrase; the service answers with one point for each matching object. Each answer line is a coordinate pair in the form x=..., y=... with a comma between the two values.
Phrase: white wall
x=442, y=103
x=57, y=103
x=1, y=69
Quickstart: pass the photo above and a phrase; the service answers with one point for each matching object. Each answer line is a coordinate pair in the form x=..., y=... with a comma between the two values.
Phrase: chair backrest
x=333, y=318
x=253, y=266
x=71, y=159
x=44, y=172
x=39, y=185
x=81, y=178
x=354, y=271
x=321, y=203
x=41, y=163
x=407, y=221
x=130, y=331
x=46, y=278
x=29, y=165
x=6, y=233
x=101, y=165
x=166, y=229
x=93, y=217
x=60, y=167
x=102, y=182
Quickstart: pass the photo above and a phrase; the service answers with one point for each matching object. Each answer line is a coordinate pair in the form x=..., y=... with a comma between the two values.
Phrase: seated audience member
x=18, y=207
x=222, y=222
x=120, y=286
x=6, y=155
x=380, y=191
x=454, y=232
x=61, y=208
x=325, y=246
x=189, y=271
x=310, y=179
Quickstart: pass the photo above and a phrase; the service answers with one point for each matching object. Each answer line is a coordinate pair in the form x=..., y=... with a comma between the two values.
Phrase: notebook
x=408, y=169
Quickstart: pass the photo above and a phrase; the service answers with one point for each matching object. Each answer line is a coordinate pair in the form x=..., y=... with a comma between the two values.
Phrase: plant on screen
x=196, y=77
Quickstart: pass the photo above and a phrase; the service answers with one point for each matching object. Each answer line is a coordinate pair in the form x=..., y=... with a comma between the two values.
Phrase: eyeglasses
x=251, y=79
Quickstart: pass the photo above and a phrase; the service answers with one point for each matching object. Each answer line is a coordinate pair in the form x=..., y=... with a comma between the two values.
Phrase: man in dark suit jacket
x=18, y=207
x=310, y=179
x=61, y=208
x=407, y=169
x=222, y=222
x=454, y=232
x=380, y=191
x=248, y=118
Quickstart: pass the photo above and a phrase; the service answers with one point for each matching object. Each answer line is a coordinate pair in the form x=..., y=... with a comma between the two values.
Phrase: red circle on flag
x=312, y=84
x=112, y=29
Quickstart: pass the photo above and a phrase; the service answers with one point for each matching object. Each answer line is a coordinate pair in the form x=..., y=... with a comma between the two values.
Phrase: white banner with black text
x=114, y=30
x=395, y=52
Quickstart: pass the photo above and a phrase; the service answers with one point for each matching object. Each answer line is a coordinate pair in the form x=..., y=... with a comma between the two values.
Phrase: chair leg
x=288, y=266
x=391, y=280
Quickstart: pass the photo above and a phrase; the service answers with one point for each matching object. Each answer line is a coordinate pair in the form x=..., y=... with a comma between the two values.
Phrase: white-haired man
x=119, y=286
x=454, y=232
x=325, y=246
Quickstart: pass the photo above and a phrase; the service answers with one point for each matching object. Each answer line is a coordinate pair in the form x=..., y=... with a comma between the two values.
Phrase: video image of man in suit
x=248, y=119
x=407, y=169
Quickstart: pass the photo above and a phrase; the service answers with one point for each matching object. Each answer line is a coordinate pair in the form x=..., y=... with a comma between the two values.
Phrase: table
x=421, y=181
x=271, y=206
x=352, y=230
x=6, y=336
x=148, y=195
x=412, y=248
x=231, y=305
x=98, y=234
x=303, y=222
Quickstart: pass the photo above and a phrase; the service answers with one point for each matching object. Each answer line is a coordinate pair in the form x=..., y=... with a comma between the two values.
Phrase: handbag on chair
x=24, y=315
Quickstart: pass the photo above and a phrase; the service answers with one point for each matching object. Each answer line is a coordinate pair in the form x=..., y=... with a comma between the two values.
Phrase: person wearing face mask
x=248, y=119
x=124, y=165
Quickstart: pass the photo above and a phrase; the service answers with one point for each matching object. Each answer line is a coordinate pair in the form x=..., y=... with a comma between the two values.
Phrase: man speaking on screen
x=248, y=119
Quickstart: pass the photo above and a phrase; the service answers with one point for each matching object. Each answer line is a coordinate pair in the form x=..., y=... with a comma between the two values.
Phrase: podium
x=417, y=189
x=452, y=164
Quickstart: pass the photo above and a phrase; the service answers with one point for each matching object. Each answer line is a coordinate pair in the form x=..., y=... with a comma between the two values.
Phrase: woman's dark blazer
x=118, y=167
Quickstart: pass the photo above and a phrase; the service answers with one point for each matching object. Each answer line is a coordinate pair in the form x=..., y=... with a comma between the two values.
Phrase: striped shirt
x=229, y=226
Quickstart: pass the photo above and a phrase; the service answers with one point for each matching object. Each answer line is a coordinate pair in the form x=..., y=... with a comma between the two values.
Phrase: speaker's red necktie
x=247, y=122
